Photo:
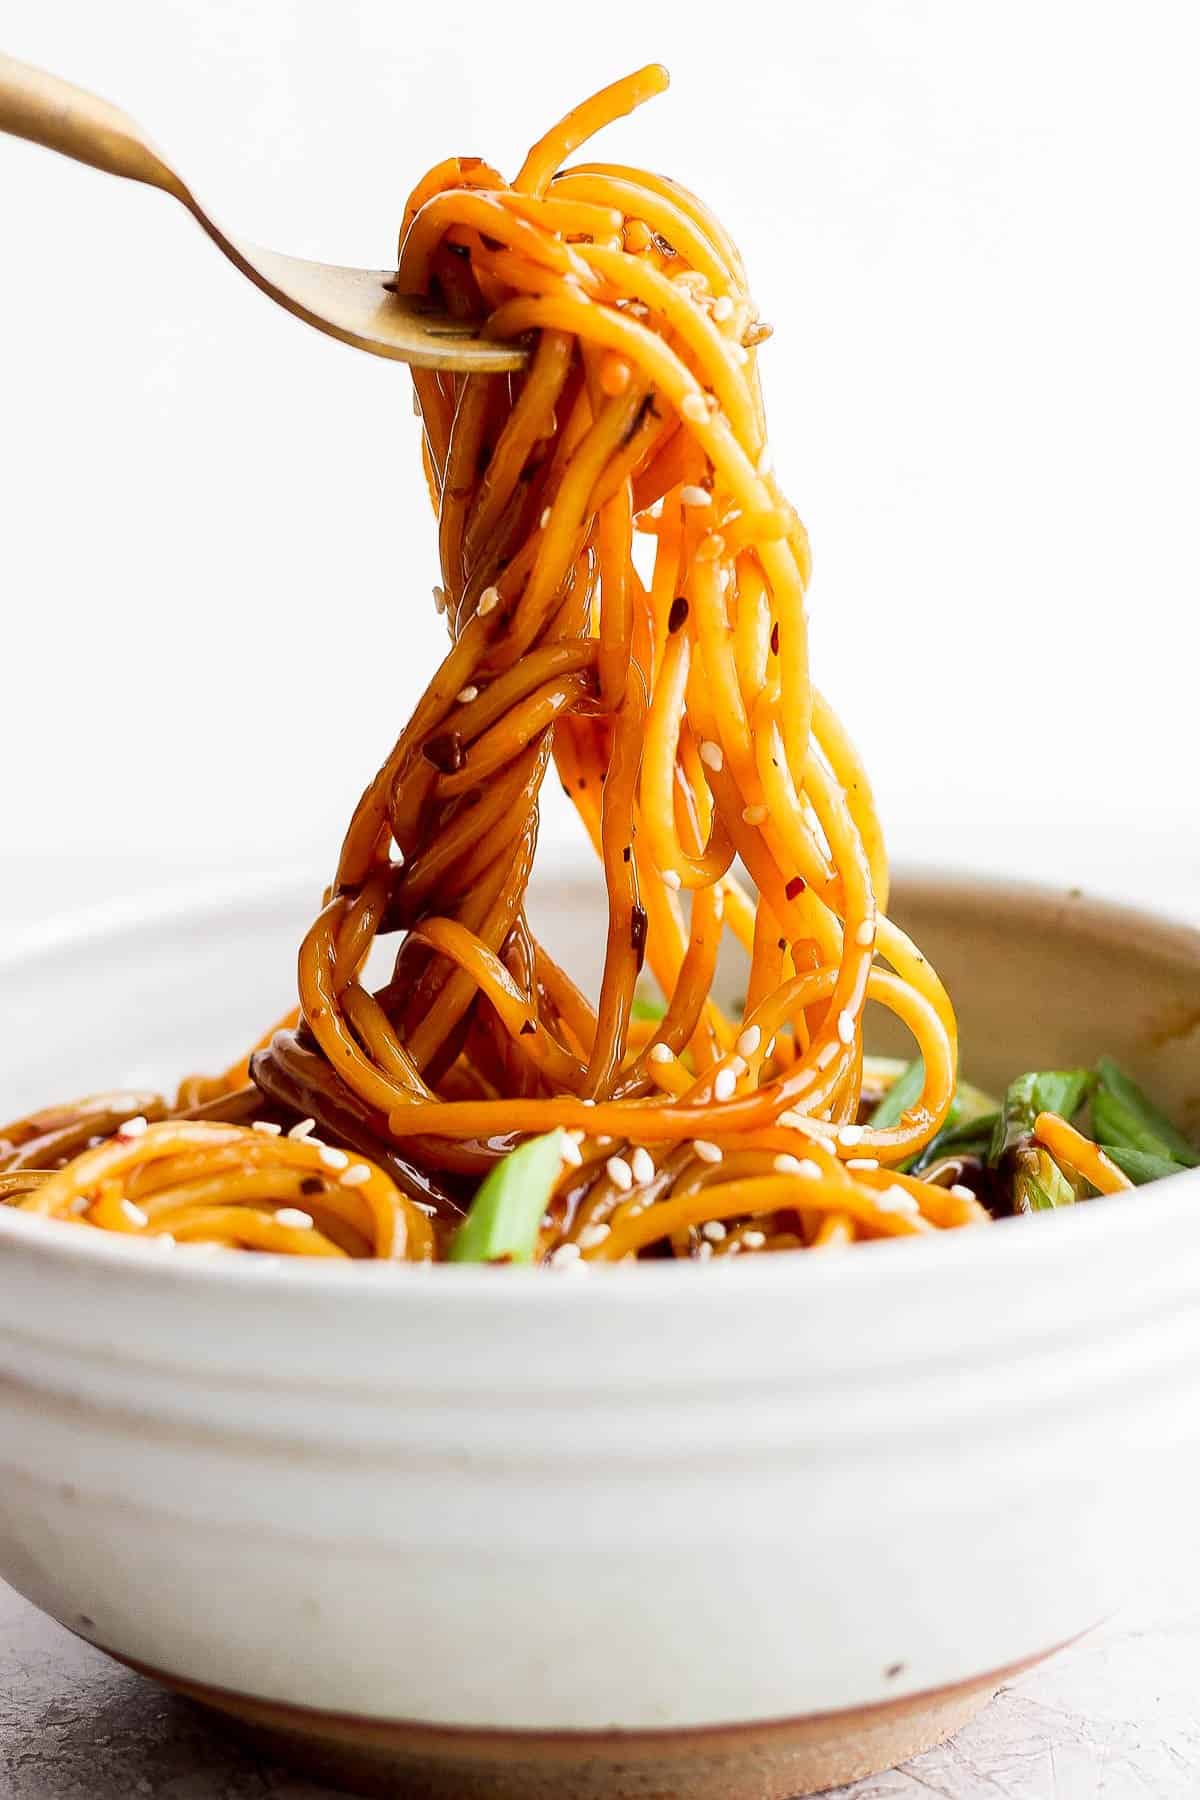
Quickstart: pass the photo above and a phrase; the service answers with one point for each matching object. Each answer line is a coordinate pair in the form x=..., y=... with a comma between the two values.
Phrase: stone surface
x=1117, y=1716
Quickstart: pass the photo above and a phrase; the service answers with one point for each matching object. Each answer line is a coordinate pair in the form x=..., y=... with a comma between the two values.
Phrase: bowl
x=727, y=1530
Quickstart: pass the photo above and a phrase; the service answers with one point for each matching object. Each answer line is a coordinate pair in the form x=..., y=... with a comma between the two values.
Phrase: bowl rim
x=1005, y=1244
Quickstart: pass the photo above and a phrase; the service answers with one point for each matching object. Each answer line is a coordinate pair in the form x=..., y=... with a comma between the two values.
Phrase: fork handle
x=49, y=111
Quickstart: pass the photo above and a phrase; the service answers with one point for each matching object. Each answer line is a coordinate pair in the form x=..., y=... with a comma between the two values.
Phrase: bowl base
x=781, y=1760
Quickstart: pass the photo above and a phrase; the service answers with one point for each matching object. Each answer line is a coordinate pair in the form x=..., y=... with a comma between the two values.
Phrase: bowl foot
x=777, y=1761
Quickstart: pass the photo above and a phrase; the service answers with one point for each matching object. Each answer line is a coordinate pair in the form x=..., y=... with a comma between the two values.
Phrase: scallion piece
x=1142, y=1166
x=1122, y=1116
x=1061, y=1091
x=1039, y=1185
x=507, y=1211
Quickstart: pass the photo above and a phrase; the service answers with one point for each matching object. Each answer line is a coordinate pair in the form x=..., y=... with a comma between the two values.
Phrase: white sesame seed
x=293, y=1218
x=709, y=1153
x=603, y=1141
x=642, y=1165
x=303, y=1129
x=133, y=1128
x=489, y=600
x=740, y=353
x=661, y=1053
x=793, y=1118
x=849, y=1135
x=724, y=1084
x=714, y=1231
x=439, y=599
x=80, y=1204
x=564, y=1255
x=671, y=879
x=712, y=755
x=770, y=1049
x=810, y=1170
x=591, y=1235
x=845, y=1027
x=749, y=1041
x=765, y=463
x=862, y=1162
x=587, y=1102
x=545, y=518
x=692, y=407
x=960, y=1192
x=267, y=1127
x=570, y=1152
x=722, y=308
x=467, y=694
x=356, y=1176
x=787, y=1165
x=865, y=935
x=826, y=1054
x=754, y=815
x=896, y=1200
x=734, y=1249
x=333, y=1159
x=134, y=1214
x=704, y=1251
x=691, y=495
x=754, y=1240
x=619, y=1173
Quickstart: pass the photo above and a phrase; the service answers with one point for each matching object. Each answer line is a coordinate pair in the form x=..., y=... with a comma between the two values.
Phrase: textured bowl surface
x=646, y=1500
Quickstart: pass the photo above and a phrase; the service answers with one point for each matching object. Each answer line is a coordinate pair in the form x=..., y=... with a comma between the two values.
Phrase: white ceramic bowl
x=447, y=1508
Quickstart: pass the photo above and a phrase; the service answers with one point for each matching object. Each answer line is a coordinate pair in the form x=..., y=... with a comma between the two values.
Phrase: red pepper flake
x=775, y=638
x=638, y=925
x=678, y=613
x=795, y=886
x=445, y=752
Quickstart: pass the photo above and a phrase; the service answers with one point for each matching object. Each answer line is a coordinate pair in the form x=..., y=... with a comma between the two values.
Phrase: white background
x=973, y=226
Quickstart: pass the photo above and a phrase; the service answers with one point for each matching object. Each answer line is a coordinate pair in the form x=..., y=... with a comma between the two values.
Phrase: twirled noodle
x=675, y=699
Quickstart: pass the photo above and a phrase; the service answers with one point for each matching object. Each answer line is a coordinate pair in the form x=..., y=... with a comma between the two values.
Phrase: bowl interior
x=1039, y=977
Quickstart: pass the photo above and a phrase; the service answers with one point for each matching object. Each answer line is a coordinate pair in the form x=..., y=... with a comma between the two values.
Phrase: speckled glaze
x=650, y=1499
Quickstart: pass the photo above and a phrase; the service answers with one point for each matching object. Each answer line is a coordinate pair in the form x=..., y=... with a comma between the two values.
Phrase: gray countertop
x=1117, y=1716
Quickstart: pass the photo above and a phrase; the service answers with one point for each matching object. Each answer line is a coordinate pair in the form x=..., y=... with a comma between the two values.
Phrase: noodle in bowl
x=473, y=1521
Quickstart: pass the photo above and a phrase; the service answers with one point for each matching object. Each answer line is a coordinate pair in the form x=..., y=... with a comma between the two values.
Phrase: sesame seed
x=787, y=1165
x=749, y=1041
x=724, y=1084
x=134, y=1214
x=770, y=1049
x=132, y=1128
x=267, y=1127
x=754, y=1240
x=722, y=308
x=566, y=1253
x=709, y=1153
x=826, y=1054
x=692, y=407
x=467, y=694
x=489, y=600
x=845, y=1027
x=810, y=1170
x=671, y=879
x=439, y=599
x=293, y=1218
x=570, y=1152
x=356, y=1176
x=793, y=1118
x=642, y=1165
x=333, y=1159
x=765, y=463
x=605, y=1141
x=862, y=1162
x=591, y=1235
x=849, y=1135
x=619, y=1173
x=896, y=1200
x=740, y=353
x=754, y=815
x=545, y=518
x=661, y=1053
x=711, y=755
x=303, y=1128
x=588, y=1102
x=734, y=1248
x=714, y=1231
x=691, y=495
x=865, y=935
x=704, y=1251
x=80, y=1204
x=960, y=1192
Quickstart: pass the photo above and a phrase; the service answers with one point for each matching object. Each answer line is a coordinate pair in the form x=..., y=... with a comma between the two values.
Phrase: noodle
x=680, y=716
